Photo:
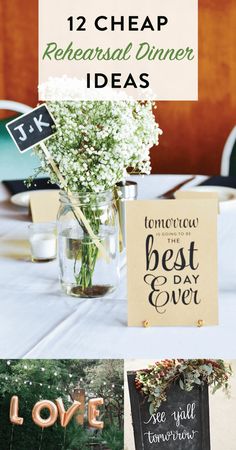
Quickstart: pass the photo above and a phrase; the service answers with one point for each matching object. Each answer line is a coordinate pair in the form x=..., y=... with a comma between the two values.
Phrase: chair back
x=9, y=105
x=228, y=161
x=14, y=165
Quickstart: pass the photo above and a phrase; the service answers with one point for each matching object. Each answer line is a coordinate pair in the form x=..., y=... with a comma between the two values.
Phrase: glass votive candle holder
x=43, y=242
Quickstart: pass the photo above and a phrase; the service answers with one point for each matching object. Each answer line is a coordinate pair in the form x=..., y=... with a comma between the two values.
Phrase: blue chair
x=228, y=161
x=13, y=164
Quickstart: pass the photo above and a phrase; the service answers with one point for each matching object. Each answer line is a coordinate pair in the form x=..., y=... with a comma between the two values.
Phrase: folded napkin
x=16, y=186
x=220, y=181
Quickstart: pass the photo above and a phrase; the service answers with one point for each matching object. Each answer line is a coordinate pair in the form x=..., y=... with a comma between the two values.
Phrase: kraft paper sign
x=172, y=262
x=44, y=205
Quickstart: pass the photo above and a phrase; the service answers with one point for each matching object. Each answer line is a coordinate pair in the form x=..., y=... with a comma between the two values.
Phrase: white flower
x=97, y=141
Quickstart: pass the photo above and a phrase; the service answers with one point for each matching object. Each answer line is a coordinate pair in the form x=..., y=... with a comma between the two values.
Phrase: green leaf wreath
x=155, y=381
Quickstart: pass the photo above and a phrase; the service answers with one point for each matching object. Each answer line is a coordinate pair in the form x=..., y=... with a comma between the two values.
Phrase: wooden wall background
x=194, y=132
x=18, y=50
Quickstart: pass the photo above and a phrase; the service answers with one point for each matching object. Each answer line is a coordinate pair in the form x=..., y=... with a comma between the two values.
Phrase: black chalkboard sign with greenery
x=170, y=404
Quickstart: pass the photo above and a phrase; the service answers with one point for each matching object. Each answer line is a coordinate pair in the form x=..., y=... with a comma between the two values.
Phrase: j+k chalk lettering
x=31, y=128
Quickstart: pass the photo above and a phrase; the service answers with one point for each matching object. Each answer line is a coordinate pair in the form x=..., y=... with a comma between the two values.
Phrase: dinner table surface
x=37, y=320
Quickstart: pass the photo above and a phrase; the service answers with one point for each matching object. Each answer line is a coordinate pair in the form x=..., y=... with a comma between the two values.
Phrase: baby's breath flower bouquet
x=97, y=141
x=96, y=144
x=155, y=381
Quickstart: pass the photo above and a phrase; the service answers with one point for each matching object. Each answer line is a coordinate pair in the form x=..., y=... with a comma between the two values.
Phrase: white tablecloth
x=38, y=321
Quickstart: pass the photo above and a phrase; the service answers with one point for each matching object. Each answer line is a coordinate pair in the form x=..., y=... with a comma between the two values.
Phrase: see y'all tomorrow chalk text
x=181, y=417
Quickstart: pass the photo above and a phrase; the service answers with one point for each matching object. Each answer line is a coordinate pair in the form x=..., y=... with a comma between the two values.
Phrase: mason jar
x=88, y=243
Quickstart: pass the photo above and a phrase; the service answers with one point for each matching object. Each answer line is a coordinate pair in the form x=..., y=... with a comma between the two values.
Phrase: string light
x=108, y=391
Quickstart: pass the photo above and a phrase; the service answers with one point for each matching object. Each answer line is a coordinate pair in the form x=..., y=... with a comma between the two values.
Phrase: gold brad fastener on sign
x=145, y=323
x=200, y=323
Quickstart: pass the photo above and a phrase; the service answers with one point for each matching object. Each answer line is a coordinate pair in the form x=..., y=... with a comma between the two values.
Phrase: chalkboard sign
x=181, y=423
x=31, y=128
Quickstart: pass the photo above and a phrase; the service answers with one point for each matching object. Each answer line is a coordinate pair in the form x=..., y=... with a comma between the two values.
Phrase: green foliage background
x=34, y=380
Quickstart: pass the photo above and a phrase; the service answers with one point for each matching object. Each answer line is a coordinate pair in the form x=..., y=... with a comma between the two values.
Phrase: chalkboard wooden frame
x=136, y=398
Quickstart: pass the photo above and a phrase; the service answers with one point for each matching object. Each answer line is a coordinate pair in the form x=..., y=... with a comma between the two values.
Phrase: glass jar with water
x=88, y=234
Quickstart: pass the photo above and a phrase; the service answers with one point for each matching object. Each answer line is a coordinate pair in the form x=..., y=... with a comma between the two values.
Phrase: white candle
x=43, y=246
